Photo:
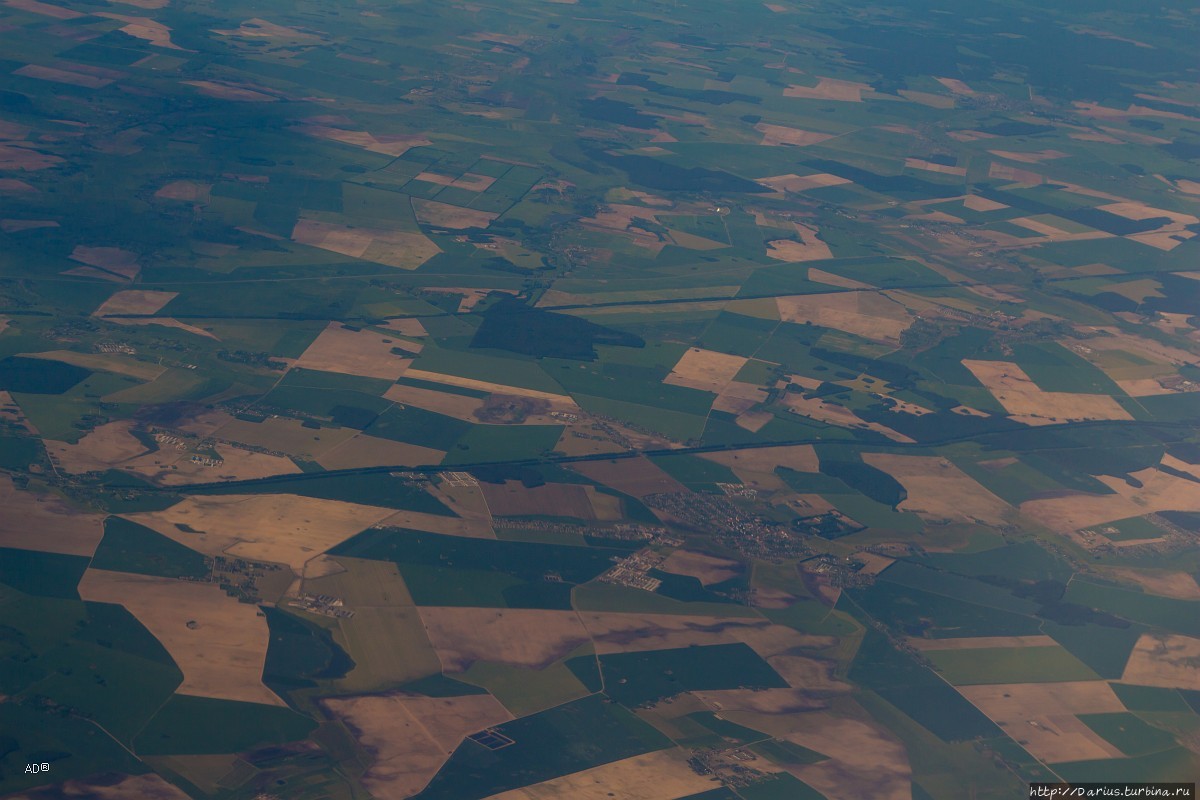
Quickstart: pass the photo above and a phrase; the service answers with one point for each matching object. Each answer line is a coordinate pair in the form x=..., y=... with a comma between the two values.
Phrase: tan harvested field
x=448, y=403
x=103, y=447
x=956, y=86
x=489, y=386
x=531, y=638
x=940, y=491
x=810, y=247
x=763, y=704
x=1051, y=231
x=187, y=191
x=800, y=457
x=1006, y=172
x=135, y=301
x=371, y=451
x=400, y=249
x=867, y=314
x=933, y=166
x=662, y=775
x=983, y=642
x=835, y=414
x=173, y=467
x=468, y=180
x=512, y=499
x=1159, y=492
x=829, y=89
x=800, y=183
x=18, y=225
x=111, y=259
x=411, y=737
x=633, y=476
x=977, y=203
x=107, y=787
x=56, y=75
x=475, y=527
x=18, y=155
x=706, y=370
x=218, y=643
x=444, y=215
x=230, y=91
x=865, y=760
x=114, y=362
x=781, y=134
x=45, y=9
x=394, y=146
x=145, y=28
x=705, y=568
x=14, y=186
x=1041, y=716
x=166, y=322
x=46, y=522
x=1030, y=157
x=407, y=326
x=534, y=410
x=1166, y=660
x=1165, y=583
x=279, y=528
x=1027, y=403
x=1165, y=240
x=350, y=352
x=829, y=279
x=284, y=435
x=737, y=397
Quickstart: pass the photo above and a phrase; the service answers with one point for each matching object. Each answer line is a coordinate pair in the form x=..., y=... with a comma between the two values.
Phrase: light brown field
x=867, y=314
x=800, y=183
x=1165, y=583
x=1167, y=660
x=468, y=180
x=349, y=352
x=828, y=278
x=829, y=89
x=18, y=225
x=145, y=28
x=933, y=166
x=101, y=787
x=111, y=259
x=489, y=386
x=470, y=526
x=737, y=398
x=282, y=435
x=1163, y=240
x=929, y=99
x=394, y=146
x=1031, y=157
x=108, y=362
x=978, y=203
x=512, y=499
x=940, y=491
x=1041, y=716
x=1022, y=398
x=56, y=75
x=835, y=414
x=18, y=155
x=280, y=528
x=956, y=86
x=45, y=9
x=847, y=775
x=46, y=522
x=531, y=638
x=781, y=134
x=633, y=476
x=135, y=301
x=230, y=91
x=103, y=447
x=221, y=653
x=400, y=249
x=170, y=467
x=800, y=457
x=661, y=775
x=762, y=704
x=706, y=370
x=371, y=451
x=705, y=568
x=1006, y=172
x=452, y=405
x=809, y=248
x=983, y=642
x=444, y=215
x=166, y=322
x=411, y=737
x=188, y=191
x=14, y=186
x=407, y=327
x=1159, y=492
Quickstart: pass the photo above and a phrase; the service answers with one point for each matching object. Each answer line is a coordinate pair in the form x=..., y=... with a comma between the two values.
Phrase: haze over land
x=536, y=400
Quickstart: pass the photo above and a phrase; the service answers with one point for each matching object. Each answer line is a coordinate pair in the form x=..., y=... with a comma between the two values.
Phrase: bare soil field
x=836, y=415
x=940, y=491
x=781, y=134
x=283, y=435
x=1159, y=492
x=512, y=499
x=277, y=528
x=1022, y=398
x=706, y=370
x=187, y=191
x=400, y=249
x=489, y=386
x=46, y=522
x=103, y=447
x=1041, y=716
x=444, y=215
x=173, y=468
x=1169, y=660
x=371, y=451
x=230, y=91
x=1164, y=583
x=411, y=737
x=810, y=247
x=800, y=183
x=530, y=638
x=633, y=476
x=867, y=314
x=56, y=75
x=628, y=633
x=982, y=642
x=218, y=643
x=933, y=166
x=662, y=775
x=705, y=568
x=135, y=301
x=350, y=352
x=800, y=457
x=145, y=28
x=829, y=89
x=111, y=259
x=738, y=398
x=394, y=146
